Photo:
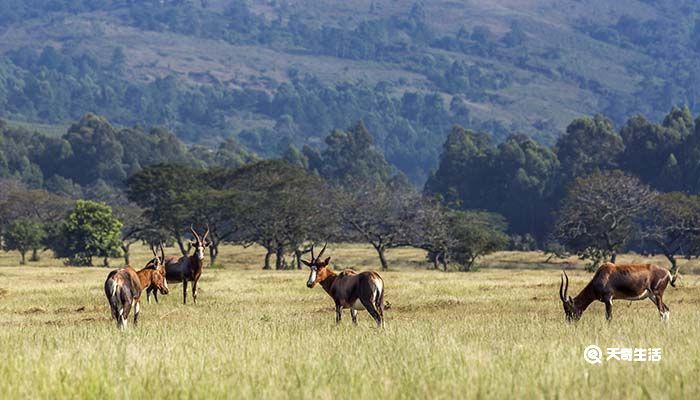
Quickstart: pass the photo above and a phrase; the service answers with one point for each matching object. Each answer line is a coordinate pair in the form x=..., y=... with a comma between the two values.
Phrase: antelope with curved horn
x=188, y=268
x=157, y=263
x=123, y=289
x=349, y=289
x=618, y=282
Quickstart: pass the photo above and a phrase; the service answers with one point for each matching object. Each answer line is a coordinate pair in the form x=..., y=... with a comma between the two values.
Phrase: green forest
x=396, y=66
x=397, y=123
x=596, y=192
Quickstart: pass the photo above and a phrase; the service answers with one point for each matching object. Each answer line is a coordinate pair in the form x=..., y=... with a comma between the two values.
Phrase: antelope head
x=570, y=309
x=318, y=268
x=200, y=243
x=158, y=278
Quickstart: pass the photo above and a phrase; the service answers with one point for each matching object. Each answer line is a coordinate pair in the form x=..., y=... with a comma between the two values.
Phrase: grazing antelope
x=349, y=289
x=123, y=289
x=619, y=282
x=187, y=268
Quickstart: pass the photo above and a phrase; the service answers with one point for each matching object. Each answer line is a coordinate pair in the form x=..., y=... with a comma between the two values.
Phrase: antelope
x=349, y=289
x=123, y=289
x=157, y=263
x=619, y=282
x=187, y=268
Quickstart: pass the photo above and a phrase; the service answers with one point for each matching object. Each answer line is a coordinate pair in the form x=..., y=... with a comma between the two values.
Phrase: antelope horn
x=313, y=258
x=204, y=239
x=194, y=233
x=153, y=249
x=322, y=250
x=566, y=288
x=561, y=288
x=162, y=253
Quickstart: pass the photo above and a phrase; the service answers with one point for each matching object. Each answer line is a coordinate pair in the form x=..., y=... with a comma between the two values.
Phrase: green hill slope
x=280, y=73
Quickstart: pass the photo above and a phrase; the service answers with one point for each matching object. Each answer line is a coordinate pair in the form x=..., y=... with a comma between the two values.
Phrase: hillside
x=276, y=73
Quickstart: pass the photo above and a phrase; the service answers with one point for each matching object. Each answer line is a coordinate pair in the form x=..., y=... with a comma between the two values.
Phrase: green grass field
x=494, y=333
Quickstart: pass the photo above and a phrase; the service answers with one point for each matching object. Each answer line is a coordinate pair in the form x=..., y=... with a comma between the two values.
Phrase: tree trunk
x=23, y=259
x=382, y=259
x=267, y=259
x=297, y=256
x=125, y=249
x=470, y=263
x=445, y=262
x=213, y=252
x=613, y=257
x=436, y=260
x=279, y=258
x=35, y=255
x=105, y=262
x=181, y=245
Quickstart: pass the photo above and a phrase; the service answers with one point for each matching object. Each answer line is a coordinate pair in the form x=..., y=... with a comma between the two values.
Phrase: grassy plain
x=495, y=333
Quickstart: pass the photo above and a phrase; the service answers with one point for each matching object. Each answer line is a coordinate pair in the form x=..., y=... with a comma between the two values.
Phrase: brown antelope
x=123, y=289
x=349, y=289
x=187, y=268
x=157, y=263
x=618, y=282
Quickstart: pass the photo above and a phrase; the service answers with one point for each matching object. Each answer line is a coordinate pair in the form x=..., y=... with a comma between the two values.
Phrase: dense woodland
x=597, y=192
x=413, y=135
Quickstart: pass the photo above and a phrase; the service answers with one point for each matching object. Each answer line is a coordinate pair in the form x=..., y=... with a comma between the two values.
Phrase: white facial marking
x=312, y=277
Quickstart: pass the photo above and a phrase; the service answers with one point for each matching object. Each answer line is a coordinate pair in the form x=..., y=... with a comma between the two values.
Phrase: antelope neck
x=327, y=282
x=145, y=277
x=584, y=299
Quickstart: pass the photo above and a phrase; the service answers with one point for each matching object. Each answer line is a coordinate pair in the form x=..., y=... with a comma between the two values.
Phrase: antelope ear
x=327, y=261
x=308, y=264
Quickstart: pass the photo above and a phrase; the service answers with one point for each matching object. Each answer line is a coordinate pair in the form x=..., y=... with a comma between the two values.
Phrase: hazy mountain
x=276, y=73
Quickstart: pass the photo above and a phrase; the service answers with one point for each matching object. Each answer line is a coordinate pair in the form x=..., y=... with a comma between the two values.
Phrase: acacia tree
x=160, y=190
x=431, y=231
x=215, y=209
x=377, y=213
x=133, y=225
x=276, y=207
x=597, y=216
x=672, y=225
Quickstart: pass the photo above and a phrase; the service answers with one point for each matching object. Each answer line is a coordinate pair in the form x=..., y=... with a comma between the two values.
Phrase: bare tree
x=430, y=231
x=377, y=213
x=597, y=216
x=133, y=223
x=672, y=225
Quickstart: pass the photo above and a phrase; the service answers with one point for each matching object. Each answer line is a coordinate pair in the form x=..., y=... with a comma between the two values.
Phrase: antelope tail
x=114, y=299
x=379, y=301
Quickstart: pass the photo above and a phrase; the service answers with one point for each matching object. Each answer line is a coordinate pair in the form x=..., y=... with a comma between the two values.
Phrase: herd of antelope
x=365, y=290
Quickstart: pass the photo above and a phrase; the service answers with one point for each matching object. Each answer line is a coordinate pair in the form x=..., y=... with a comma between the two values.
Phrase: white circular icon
x=593, y=355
